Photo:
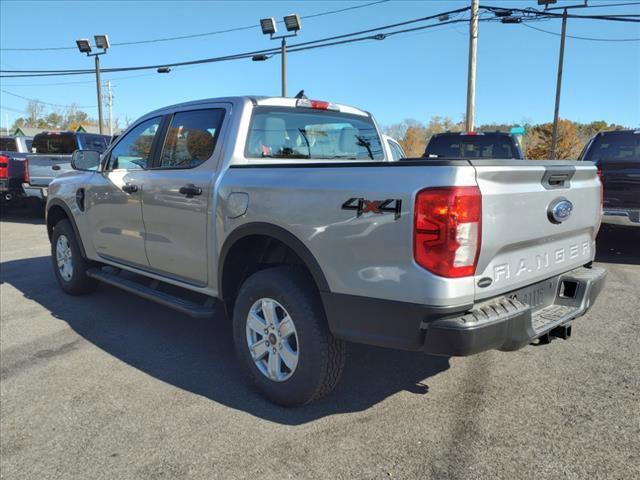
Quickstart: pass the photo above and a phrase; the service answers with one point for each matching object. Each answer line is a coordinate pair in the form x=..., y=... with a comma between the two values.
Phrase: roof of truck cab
x=256, y=100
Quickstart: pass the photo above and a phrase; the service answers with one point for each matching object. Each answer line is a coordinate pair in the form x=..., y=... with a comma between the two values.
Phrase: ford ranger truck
x=286, y=214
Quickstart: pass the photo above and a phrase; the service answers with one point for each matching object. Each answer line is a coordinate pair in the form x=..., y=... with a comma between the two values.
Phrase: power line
x=611, y=5
x=270, y=51
x=584, y=38
x=198, y=35
x=10, y=109
x=319, y=43
x=545, y=13
x=44, y=103
x=92, y=82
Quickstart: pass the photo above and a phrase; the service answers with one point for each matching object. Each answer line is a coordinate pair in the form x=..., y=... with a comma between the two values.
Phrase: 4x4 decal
x=361, y=205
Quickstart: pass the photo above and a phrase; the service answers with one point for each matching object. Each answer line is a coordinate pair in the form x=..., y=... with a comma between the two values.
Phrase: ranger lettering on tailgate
x=505, y=271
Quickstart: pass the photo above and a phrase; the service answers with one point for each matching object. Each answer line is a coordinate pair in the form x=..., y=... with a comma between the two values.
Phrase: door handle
x=190, y=190
x=55, y=167
x=130, y=188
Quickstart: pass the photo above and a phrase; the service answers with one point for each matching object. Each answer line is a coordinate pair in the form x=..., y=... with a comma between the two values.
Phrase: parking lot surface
x=111, y=386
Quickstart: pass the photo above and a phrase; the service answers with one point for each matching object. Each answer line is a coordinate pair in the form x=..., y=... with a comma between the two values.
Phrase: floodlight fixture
x=292, y=22
x=83, y=45
x=102, y=41
x=268, y=25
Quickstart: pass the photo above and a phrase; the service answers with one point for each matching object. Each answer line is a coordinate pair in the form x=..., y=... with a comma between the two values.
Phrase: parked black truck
x=617, y=156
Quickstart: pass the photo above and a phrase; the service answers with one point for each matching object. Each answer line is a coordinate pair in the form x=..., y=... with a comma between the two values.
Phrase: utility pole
x=99, y=87
x=471, y=74
x=556, y=113
x=109, y=107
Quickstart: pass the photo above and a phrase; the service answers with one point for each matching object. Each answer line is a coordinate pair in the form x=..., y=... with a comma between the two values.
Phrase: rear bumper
x=502, y=323
x=623, y=217
x=506, y=323
x=35, y=192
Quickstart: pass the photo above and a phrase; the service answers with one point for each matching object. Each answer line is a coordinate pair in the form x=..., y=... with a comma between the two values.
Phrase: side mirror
x=86, y=160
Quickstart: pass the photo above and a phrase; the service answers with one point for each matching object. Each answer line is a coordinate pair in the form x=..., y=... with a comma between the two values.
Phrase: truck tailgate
x=44, y=168
x=521, y=241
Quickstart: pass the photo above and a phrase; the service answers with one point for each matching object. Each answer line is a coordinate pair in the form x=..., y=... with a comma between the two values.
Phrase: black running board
x=187, y=307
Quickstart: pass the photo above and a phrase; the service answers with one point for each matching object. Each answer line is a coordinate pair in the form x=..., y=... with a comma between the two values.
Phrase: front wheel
x=282, y=339
x=69, y=265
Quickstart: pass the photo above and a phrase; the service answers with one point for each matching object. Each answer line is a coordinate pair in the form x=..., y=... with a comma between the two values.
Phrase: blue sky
x=417, y=75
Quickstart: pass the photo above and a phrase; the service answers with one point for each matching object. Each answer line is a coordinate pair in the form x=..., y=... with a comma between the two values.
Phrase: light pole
x=102, y=42
x=268, y=26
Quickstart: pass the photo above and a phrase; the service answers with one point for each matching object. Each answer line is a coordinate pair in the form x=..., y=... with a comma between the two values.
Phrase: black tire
x=321, y=356
x=78, y=282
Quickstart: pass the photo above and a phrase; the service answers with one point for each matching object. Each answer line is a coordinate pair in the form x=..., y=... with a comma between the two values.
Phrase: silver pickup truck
x=285, y=213
x=52, y=157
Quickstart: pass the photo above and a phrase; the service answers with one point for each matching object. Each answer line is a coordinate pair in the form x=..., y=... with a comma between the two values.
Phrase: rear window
x=55, y=144
x=618, y=147
x=8, y=145
x=94, y=142
x=471, y=146
x=300, y=133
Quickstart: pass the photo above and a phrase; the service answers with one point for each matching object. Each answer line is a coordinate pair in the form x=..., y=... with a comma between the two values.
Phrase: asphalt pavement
x=110, y=386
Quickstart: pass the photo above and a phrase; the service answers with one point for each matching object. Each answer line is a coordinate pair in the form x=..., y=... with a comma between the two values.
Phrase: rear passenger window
x=191, y=138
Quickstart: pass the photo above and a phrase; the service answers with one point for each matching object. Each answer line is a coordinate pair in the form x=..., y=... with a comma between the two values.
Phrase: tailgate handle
x=558, y=177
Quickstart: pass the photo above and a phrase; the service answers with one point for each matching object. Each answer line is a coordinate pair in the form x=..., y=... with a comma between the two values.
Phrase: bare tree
x=35, y=110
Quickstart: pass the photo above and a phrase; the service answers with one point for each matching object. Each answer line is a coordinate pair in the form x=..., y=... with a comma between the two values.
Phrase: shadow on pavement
x=618, y=245
x=28, y=215
x=198, y=356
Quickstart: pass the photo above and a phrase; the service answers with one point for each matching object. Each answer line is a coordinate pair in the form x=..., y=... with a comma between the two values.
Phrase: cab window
x=133, y=151
x=191, y=138
x=301, y=133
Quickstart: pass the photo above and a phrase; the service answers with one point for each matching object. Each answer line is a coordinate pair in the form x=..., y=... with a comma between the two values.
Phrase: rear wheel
x=69, y=266
x=282, y=339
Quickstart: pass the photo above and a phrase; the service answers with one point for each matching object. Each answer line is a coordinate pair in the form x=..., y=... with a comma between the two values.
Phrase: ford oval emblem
x=559, y=210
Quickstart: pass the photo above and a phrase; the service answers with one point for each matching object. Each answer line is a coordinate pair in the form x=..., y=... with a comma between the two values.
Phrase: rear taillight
x=601, y=178
x=4, y=167
x=25, y=167
x=447, y=229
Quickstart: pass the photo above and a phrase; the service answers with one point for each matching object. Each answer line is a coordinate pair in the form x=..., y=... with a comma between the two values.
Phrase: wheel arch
x=58, y=210
x=262, y=232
